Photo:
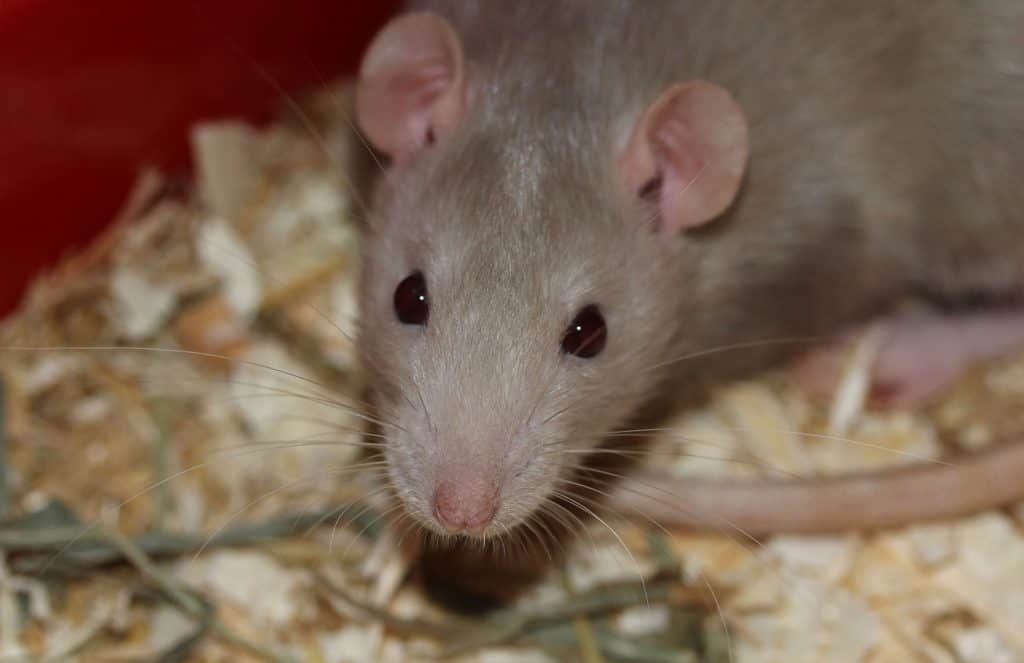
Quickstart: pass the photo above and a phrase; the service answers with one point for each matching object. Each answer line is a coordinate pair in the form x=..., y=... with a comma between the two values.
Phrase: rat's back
x=900, y=119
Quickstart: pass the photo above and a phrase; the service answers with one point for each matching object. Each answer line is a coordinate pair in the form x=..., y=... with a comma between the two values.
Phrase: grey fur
x=887, y=138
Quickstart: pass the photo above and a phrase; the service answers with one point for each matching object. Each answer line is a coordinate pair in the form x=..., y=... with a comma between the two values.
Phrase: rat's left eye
x=586, y=335
x=411, y=304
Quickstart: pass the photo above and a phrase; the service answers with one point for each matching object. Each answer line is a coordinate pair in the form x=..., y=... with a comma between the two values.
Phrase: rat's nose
x=467, y=506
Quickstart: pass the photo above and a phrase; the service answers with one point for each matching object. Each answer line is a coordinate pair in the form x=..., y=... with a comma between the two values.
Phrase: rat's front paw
x=917, y=355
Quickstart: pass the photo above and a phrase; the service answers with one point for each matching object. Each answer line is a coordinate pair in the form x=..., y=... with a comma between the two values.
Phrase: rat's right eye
x=587, y=334
x=411, y=304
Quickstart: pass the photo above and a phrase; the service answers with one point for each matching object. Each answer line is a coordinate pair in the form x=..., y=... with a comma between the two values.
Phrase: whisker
x=603, y=493
x=554, y=503
x=758, y=552
x=672, y=434
x=860, y=443
x=267, y=389
x=502, y=541
x=317, y=136
x=791, y=340
x=633, y=480
x=676, y=453
x=410, y=526
x=639, y=571
x=333, y=426
x=540, y=538
x=721, y=616
x=598, y=504
x=320, y=401
x=351, y=125
x=366, y=527
x=546, y=509
x=159, y=350
x=262, y=498
x=262, y=446
x=365, y=499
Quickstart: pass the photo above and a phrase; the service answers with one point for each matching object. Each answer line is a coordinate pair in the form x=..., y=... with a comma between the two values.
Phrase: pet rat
x=584, y=198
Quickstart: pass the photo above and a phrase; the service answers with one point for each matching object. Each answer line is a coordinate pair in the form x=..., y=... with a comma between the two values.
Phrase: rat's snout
x=467, y=504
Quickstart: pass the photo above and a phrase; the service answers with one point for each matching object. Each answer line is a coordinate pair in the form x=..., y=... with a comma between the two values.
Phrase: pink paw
x=918, y=356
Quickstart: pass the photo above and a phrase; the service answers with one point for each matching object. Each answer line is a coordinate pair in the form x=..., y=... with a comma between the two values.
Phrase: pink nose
x=468, y=506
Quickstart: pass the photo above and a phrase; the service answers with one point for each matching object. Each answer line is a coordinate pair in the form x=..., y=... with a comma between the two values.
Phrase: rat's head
x=514, y=299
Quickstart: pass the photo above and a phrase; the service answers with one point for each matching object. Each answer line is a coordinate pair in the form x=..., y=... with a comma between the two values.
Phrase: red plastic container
x=91, y=90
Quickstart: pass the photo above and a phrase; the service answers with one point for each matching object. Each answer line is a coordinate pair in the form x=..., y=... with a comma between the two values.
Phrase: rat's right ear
x=411, y=89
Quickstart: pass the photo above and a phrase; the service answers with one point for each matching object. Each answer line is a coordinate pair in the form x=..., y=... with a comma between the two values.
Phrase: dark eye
x=411, y=304
x=586, y=334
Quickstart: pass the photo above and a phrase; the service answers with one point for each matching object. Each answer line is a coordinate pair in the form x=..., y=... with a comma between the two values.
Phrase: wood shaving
x=259, y=270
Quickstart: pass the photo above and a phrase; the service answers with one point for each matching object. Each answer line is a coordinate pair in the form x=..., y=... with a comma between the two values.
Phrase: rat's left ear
x=689, y=151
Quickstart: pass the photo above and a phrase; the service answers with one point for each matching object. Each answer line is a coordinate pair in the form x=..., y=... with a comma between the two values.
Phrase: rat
x=584, y=200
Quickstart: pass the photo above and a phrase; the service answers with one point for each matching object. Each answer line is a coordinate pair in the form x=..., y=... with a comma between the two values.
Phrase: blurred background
x=91, y=91
x=217, y=320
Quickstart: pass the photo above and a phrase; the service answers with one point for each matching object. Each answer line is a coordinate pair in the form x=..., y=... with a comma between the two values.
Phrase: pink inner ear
x=693, y=142
x=411, y=88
